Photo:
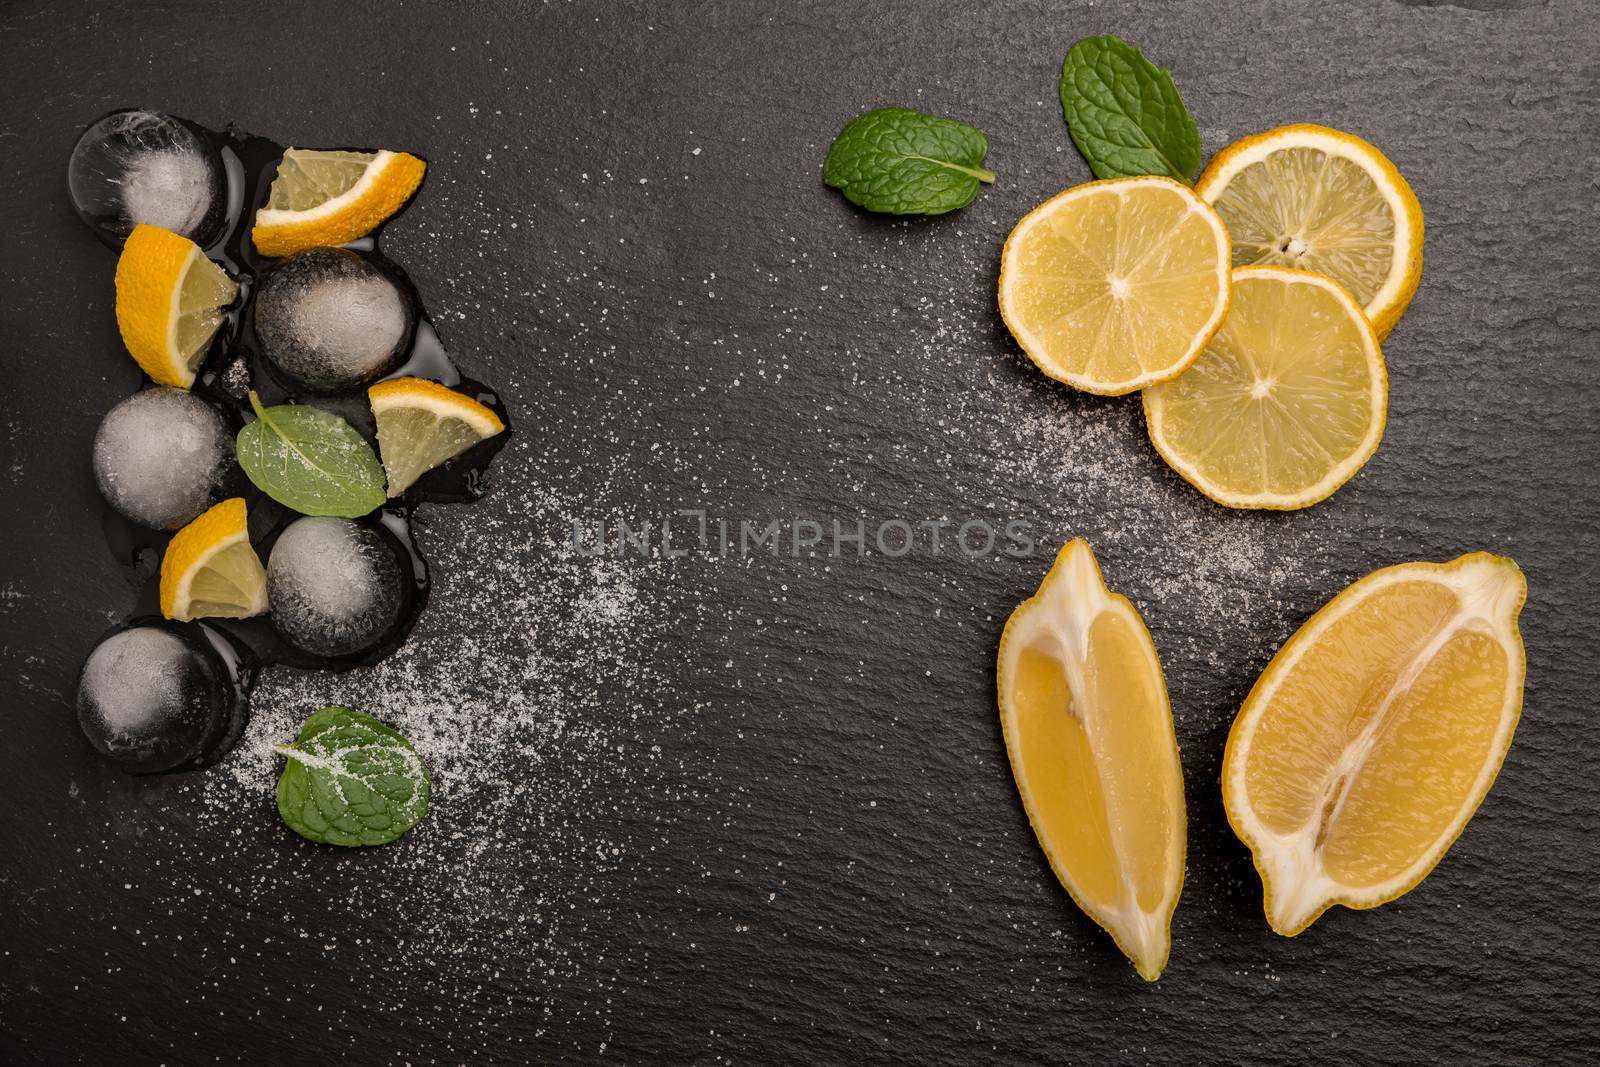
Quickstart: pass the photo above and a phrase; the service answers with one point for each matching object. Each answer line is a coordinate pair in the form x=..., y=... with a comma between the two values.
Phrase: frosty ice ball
x=151, y=700
x=335, y=586
x=329, y=319
x=142, y=166
x=160, y=457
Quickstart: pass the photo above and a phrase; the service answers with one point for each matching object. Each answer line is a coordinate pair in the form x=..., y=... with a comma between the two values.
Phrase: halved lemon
x=1374, y=734
x=323, y=199
x=1287, y=402
x=170, y=300
x=1088, y=729
x=211, y=571
x=422, y=424
x=1320, y=199
x=1115, y=285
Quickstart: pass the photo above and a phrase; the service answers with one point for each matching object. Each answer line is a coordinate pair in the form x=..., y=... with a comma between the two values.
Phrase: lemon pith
x=1089, y=734
x=422, y=424
x=1288, y=401
x=1374, y=734
x=325, y=199
x=170, y=300
x=1324, y=200
x=210, y=569
x=1114, y=285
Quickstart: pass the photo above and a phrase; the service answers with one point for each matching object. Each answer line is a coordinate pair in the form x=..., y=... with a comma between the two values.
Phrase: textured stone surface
x=834, y=865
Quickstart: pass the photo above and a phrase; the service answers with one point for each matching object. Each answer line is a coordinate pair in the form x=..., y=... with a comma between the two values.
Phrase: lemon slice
x=421, y=424
x=170, y=300
x=1287, y=402
x=1115, y=285
x=1374, y=734
x=210, y=570
x=1089, y=732
x=1319, y=199
x=322, y=199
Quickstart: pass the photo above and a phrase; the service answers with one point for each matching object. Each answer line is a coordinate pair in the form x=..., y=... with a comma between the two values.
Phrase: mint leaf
x=902, y=162
x=1125, y=114
x=351, y=780
x=310, y=460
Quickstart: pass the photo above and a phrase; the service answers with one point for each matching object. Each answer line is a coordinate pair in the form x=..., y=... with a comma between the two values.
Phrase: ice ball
x=329, y=319
x=161, y=455
x=151, y=700
x=142, y=166
x=335, y=586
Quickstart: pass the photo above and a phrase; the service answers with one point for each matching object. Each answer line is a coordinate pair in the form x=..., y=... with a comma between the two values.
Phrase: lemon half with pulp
x=1374, y=734
x=1088, y=729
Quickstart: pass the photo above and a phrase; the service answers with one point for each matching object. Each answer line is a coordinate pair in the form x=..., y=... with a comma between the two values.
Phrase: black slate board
x=823, y=858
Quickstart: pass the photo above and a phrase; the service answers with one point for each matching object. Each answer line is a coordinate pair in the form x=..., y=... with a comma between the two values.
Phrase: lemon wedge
x=211, y=571
x=170, y=300
x=1374, y=734
x=1115, y=285
x=323, y=199
x=422, y=424
x=1088, y=729
x=1324, y=200
x=1288, y=401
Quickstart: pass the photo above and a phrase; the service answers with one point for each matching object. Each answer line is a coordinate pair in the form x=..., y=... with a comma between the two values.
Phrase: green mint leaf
x=1125, y=114
x=902, y=162
x=310, y=460
x=351, y=780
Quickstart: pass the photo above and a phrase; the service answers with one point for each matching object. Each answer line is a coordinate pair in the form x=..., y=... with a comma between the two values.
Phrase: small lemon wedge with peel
x=1324, y=200
x=170, y=300
x=1288, y=401
x=422, y=424
x=324, y=199
x=1089, y=732
x=211, y=571
x=1115, y=285
x=1374, y=734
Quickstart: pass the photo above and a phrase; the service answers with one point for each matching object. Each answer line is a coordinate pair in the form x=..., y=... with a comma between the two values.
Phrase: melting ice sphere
x=151, y=700
x=143, y=166
x=335, y=586
x=160, y=457
x=329, y=319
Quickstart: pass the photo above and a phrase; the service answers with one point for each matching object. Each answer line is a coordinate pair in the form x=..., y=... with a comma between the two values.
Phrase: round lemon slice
x=1323, y=200
x=1287, y=402
x=1115, y=285
x=323, y=199
x=170, y=300
x=1375, y=733
x=211, y=571
x=422, y=424
x=1088, y=729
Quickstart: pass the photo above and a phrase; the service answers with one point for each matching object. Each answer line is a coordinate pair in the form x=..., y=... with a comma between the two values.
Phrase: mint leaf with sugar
x=902, y=162
x=351, y=780
x=1124, y=113
x=310, y=460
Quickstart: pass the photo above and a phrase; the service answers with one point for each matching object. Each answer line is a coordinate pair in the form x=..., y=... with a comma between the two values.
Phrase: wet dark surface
x=828, y=862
